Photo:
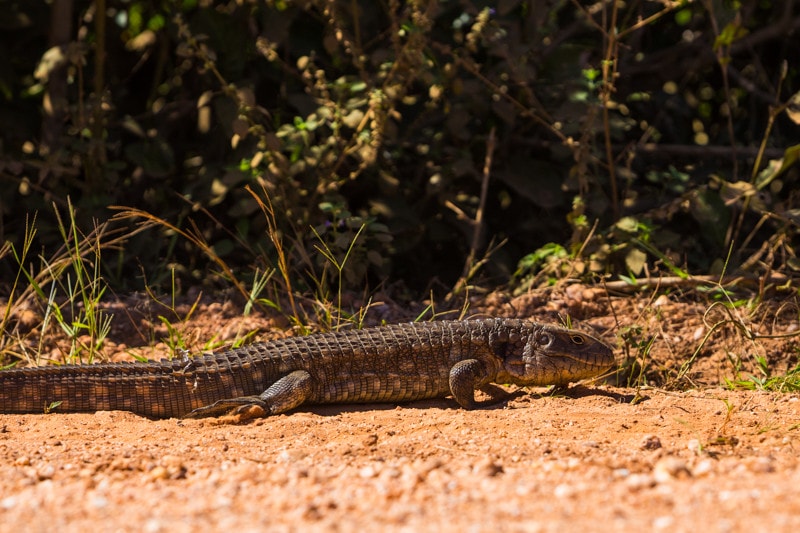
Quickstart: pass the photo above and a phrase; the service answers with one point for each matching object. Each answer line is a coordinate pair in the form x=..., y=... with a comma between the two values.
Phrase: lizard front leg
x=465, y=377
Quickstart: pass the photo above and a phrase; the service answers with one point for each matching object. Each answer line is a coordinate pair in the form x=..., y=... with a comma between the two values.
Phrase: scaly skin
x=395, y=363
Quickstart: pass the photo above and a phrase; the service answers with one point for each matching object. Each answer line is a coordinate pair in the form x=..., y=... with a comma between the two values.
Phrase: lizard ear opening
x=577, y=339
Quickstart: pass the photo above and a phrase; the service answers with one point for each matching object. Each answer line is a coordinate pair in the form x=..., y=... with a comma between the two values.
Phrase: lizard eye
x=577, y=339
x=545, y=339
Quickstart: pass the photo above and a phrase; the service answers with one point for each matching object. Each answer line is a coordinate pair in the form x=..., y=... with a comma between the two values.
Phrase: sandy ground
x=689, y=455
x=590, y=461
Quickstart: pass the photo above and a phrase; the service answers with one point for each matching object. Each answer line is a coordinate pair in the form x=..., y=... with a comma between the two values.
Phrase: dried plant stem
x=477, y=222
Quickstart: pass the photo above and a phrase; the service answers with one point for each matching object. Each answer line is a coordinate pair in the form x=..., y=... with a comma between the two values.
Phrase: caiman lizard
x=395, y=363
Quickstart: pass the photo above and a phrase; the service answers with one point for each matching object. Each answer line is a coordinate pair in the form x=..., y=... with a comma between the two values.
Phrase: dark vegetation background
x=346, y=142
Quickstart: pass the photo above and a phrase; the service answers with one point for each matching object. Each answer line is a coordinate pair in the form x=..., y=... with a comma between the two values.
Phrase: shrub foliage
x=623, y=137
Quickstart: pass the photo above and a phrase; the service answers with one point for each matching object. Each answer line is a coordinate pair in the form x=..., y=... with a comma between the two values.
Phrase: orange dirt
x=590, y=460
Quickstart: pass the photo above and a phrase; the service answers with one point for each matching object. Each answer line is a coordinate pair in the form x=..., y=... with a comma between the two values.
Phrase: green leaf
x=732, y=193
x=777, y=167
x=793, y=108
x=711, y=214
x=635, y=261
x=353, y=119
x=730, y=34
x=627, y=224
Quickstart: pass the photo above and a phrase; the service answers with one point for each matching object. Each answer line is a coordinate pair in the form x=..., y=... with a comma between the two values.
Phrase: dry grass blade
x=148, y=220
x=277, y=241
x=74, y=269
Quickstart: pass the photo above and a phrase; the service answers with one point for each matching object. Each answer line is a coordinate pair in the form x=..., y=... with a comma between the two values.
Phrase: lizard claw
x=248, y=412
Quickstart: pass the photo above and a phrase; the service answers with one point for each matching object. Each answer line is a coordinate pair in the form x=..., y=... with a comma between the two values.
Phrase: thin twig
x=667, y=151
x=477, y=222
x=636, y=285
x=487, y=170
x=609, y=69
x=704, y=152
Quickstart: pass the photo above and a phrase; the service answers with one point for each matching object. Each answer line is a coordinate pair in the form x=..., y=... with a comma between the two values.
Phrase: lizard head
x=549, y=355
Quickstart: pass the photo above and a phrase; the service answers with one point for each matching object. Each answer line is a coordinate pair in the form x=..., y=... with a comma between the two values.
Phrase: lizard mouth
x=592, y=363
x=595, y=360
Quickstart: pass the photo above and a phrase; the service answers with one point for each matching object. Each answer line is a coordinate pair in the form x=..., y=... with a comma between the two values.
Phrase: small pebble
x=639, y=481
x=487, y=468
x=367, y=472
x=663, y=522
x=703, y=468
x=563, y=491
x=46, y=472
x=670, y=468
x=651, y=442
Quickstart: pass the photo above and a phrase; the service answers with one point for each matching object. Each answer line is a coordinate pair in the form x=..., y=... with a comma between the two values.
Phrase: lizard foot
x=243, y=408
x=495, y=396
